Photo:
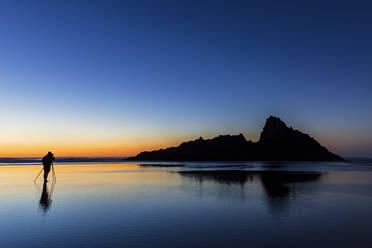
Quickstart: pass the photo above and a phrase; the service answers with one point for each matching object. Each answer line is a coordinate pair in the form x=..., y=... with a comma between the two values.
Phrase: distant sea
x=351, y=161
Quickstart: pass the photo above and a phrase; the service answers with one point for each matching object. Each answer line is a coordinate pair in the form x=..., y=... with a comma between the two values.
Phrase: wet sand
x=187, y=205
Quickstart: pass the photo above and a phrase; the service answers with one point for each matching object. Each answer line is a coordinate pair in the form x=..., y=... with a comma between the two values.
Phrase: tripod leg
x=54, y=174
x=38, y=174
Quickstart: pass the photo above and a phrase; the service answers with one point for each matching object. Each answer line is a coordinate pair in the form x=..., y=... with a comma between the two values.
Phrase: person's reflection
x=45, y=198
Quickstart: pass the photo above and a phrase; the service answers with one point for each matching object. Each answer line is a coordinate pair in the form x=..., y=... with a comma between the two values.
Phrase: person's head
x=50, y=154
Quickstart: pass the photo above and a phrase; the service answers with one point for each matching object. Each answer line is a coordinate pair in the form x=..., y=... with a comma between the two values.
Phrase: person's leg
x=46, y=172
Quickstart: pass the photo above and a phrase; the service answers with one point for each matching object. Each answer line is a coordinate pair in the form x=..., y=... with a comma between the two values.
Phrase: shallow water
x=188, y=205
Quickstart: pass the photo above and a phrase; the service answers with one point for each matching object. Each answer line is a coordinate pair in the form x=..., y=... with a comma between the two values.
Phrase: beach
x=187, y=205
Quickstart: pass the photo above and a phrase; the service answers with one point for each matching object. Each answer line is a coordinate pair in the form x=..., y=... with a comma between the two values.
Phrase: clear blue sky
x=118, y=73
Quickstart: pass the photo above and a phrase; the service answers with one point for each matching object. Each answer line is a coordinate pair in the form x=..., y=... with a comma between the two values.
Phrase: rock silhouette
x=277, y=143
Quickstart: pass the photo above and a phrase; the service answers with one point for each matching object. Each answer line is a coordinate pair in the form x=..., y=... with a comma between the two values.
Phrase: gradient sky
x=111, y=78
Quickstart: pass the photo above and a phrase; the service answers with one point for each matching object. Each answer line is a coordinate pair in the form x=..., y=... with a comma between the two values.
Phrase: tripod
x=53, y=174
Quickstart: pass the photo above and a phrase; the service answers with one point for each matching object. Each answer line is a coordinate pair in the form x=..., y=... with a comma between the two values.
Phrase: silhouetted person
x=47, y=163
x=45, y=200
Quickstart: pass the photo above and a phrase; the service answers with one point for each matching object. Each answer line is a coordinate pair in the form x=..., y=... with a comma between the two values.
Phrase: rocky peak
x=274, y=129
x=274, y=122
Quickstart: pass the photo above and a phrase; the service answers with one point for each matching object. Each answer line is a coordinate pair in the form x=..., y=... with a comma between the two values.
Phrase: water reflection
x=220, y=176
x=45, y=202
x=278, y=186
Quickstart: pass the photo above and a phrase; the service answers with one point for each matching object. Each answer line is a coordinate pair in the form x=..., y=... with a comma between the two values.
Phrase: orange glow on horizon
x=84, y=149
x=76, y=151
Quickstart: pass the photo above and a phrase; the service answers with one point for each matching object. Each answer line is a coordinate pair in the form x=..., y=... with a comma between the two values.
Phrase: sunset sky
x=113, y=78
